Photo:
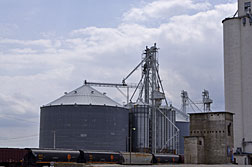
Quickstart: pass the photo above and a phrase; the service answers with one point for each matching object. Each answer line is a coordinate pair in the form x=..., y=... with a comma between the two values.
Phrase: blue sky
x=27, y=19
x=31, y=18
x=50, y=47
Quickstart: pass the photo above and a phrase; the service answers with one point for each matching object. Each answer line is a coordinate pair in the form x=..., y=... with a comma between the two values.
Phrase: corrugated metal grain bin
x=140, y=128
x=139, y=121
x=84, y=119
x=165, y=130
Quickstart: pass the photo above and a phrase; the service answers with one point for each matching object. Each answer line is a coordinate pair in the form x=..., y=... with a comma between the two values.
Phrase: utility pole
x=54, y=139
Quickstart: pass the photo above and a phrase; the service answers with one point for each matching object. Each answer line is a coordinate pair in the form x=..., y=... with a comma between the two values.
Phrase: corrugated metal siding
x=184, y=130
x=84, y=127
x=140, y=120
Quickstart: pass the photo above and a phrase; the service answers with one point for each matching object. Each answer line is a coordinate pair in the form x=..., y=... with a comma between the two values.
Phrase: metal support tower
x=151, y=88
x=152, y=94
x=185, y=100
x=206, y=101
x=118, y=86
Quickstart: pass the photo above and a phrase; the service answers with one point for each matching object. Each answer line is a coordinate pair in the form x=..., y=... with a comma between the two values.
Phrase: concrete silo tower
x=238, y=74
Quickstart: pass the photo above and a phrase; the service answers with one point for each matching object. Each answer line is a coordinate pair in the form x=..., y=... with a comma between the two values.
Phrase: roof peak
x=85, y=95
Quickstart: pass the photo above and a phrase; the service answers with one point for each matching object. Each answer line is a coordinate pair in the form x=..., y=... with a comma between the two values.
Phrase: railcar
x=136, y=158
x=102, y=157
x=11, y=157
x=44, y=157
x=165, y=158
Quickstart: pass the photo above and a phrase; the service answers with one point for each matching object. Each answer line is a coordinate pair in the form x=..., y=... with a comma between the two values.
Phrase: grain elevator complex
x=88, y=119
x=86, y=126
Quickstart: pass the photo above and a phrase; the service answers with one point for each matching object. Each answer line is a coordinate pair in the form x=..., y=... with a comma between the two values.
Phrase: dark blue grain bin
x=84, y=119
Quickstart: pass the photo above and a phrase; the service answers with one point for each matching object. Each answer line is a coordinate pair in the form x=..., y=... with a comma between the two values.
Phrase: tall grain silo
x=140, y=122
x=238, y=74
x=84, y=119
x=166, y=141
x=139, y=126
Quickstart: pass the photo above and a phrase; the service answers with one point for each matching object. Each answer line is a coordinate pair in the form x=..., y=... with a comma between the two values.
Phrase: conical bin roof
x=84, y=95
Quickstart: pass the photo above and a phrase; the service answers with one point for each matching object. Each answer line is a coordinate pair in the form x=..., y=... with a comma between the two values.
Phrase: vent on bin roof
x=84, y=95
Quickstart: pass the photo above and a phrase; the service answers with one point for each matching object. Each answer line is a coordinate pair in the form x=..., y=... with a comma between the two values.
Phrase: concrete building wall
x=246, y=59
x=238, y=75
x=217, y=130
x=194, y=150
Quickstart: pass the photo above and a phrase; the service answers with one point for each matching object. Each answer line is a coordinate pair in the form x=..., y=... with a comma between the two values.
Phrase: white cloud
x=25, y=51
x=17, y=105
x=39, y=42
x=163, y=9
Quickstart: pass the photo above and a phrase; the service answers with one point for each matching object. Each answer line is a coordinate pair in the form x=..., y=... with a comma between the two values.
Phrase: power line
x=17, y=119
x=20, y=137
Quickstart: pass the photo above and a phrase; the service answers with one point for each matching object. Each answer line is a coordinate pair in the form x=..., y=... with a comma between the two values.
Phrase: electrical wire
x=194, y=105
x=20, y=137
x=17, y=119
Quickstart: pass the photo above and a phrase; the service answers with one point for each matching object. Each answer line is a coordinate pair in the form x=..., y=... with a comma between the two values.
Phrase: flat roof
x=219, y=112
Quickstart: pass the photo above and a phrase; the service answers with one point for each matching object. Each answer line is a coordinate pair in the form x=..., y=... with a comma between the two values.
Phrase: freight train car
x=136, y=158
x=166, y=158
x=10, y=157
x=44, y=157
x=102, y=157
x=38, y=157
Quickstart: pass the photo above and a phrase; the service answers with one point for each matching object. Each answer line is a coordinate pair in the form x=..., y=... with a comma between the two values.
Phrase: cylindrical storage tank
x=139, y=127
x=165, y=130
x=238, y=74
x=84, y=119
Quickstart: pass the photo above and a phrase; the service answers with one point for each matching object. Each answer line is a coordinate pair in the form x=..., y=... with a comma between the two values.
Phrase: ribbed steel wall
x=84, y=127
x=184, y=130
x=140, y=124
x=166, y=139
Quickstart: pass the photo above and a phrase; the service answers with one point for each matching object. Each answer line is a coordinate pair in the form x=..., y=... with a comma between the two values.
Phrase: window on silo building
x=247, y=6
x=229, y=129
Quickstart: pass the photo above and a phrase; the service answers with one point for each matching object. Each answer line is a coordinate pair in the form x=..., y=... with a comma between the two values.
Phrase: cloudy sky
x=50, y=47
